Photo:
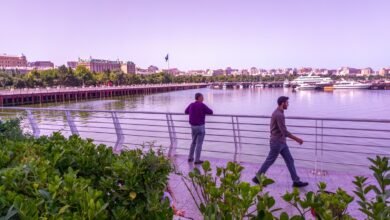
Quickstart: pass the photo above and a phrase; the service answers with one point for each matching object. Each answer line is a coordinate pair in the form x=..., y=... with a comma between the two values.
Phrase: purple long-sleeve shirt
x=198, y=112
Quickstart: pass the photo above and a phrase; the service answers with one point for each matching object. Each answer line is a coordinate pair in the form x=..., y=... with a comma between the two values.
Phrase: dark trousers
x=198, y=133
x=275, y=150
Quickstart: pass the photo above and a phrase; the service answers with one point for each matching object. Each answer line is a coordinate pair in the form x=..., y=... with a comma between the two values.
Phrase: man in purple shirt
x=278, y=144
x=197, y=112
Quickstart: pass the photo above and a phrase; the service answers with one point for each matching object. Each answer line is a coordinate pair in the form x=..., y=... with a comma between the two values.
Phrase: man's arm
x=187, y=111
x=282, y=126
x=207, y=110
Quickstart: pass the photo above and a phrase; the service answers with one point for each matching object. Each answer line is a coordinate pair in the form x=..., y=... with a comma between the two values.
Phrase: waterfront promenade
x=26, y=96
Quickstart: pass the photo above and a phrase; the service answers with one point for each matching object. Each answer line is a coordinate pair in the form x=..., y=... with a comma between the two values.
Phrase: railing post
x=72, y=125
x=323, y=172
x=33, y=123
x=239, y=140
x=235, y=140
x=172, y=135
x=119, y=133
x=318, y=171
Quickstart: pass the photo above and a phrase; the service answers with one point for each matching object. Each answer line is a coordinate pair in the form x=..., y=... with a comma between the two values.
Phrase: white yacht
x=311, y=79
x=344, y=84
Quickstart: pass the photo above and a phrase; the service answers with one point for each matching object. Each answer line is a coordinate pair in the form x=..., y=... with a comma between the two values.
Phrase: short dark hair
x=282, y=99
x=198, y=95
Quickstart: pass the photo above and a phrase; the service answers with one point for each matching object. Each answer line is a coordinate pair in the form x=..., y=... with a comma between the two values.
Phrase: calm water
x=370, y=104
x=340, y=146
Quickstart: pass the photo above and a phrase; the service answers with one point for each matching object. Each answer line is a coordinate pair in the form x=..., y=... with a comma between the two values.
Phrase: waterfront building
x=153, y=69
x=347, y=71
x=11, y=61
x=254, y=71
x=72, y=64
x=128, y=67
x=41, y=65
x=367, y=72
x=97, y=65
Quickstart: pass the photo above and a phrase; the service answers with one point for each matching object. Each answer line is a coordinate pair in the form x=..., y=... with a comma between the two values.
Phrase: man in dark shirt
x=278, y=144
x=197, y=112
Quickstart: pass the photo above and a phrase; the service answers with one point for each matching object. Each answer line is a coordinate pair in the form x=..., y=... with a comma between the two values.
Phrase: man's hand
x=295, y=138
x=300, y=141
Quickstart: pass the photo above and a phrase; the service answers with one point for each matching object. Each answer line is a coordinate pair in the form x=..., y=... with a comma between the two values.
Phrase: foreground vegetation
x=224, y=196
x=64, y=76
x=59, y=178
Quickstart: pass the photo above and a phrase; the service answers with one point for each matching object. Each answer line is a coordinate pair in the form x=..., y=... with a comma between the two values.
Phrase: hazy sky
x=200, y=34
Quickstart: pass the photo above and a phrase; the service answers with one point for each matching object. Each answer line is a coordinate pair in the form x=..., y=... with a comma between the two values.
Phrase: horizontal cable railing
x=329, y=143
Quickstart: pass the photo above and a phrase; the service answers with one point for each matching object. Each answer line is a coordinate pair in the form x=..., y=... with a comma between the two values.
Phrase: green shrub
x=59, y=178
x=225, y=196
x=10, y=129
x=379, y=206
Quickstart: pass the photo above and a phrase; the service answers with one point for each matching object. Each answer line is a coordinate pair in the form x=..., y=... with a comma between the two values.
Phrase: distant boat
x=306, y=86
x=311, y=79
x=286, y=83
x=344, y=84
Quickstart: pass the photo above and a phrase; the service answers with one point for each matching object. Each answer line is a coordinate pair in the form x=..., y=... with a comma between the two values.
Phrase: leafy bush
x=226, y=197
x=377, y=207
x=323, y=204
x=59, y=178
x=10, y=129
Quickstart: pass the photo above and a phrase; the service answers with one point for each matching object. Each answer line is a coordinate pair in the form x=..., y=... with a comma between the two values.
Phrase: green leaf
x=283, y=216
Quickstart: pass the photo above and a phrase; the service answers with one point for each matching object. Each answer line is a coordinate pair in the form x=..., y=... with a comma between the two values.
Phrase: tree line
x=81, y=76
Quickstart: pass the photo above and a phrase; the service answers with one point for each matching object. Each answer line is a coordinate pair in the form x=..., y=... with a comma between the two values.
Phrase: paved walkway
x=278, y=173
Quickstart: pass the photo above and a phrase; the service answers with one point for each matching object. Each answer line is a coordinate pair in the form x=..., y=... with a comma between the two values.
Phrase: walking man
x=197, y=112
x=278, y=144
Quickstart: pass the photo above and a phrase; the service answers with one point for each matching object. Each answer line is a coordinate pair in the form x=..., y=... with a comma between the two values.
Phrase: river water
x=338, y=144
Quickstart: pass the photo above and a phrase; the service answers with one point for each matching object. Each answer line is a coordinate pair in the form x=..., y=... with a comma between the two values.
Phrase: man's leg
x=199, y=142
x=193, y=143
x=272, y=156
x=288, y=159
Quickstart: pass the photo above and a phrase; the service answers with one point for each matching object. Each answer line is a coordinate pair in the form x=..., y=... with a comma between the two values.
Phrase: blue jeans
x=275, y=150
x=198, y=133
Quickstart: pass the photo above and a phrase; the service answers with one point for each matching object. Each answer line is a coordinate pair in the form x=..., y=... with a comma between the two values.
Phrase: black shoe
x=190, y=160
x=300, y=184
x=199, y=162
x=255, y=180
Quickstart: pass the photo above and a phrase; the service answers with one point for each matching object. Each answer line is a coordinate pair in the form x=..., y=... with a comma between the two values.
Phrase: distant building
x=218, y=72
x=367, y=72
x=244, y=72
x=128, y=67
x=173, y=71
x=41, y=65
x=347, y=71
x=305, y=70
x=142, y=71
x=153, y=69
x=229, y=71
x=96, y=65
x=196, y=72
x=72, y=64
x=7, y=61
x=254, y=71
x=384, y=71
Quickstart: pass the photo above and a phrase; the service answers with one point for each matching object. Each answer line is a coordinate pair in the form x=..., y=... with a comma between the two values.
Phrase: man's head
x=199, y=97
x=283, y=102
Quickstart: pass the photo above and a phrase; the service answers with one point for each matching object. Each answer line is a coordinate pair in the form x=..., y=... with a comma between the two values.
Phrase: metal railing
x=329, y=143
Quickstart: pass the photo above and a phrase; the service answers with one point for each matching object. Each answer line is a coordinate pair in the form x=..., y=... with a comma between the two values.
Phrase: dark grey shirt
x=278, y=127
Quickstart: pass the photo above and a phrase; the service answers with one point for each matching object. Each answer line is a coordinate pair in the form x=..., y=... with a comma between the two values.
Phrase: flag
x=167, y=58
